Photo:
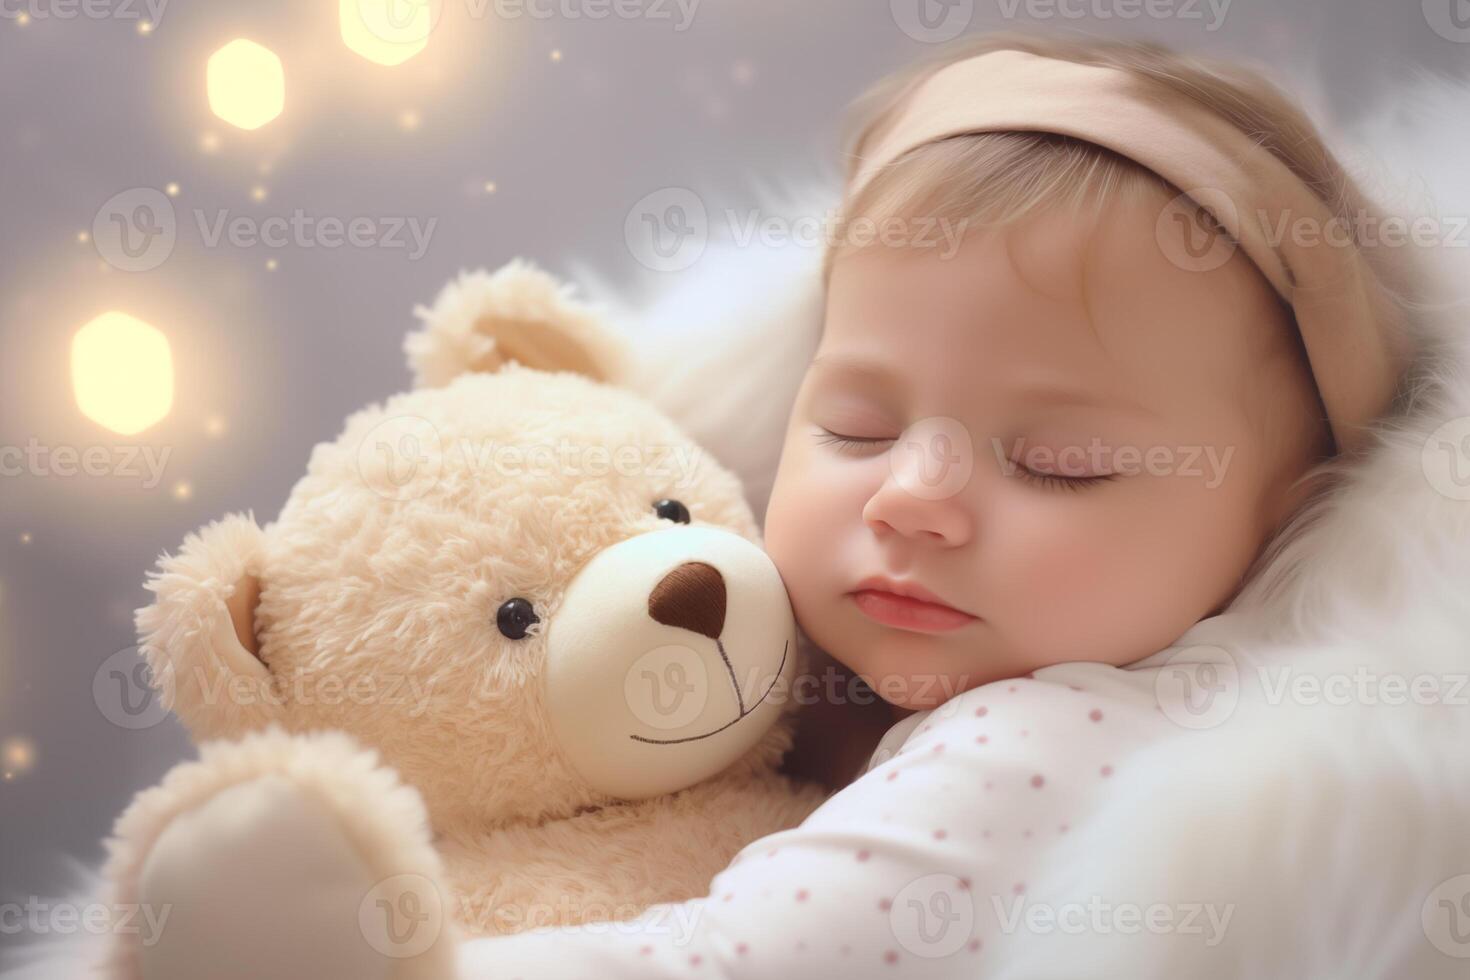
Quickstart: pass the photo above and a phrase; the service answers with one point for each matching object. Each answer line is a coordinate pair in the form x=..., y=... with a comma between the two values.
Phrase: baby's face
x=1056, y=435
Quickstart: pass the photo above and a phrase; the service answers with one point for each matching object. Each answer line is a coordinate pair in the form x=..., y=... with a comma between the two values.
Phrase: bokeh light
x=122, y=372
x=246, y=84
x=17, y=755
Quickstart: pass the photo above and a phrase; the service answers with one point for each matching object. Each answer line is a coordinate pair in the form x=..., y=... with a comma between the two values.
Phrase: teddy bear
x=510, y=656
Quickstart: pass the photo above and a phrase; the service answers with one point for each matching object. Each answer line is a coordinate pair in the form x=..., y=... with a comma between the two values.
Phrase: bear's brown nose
x=691, y=597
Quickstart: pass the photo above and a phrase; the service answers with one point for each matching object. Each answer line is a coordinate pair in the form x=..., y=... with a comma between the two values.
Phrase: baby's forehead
x=1101, y=293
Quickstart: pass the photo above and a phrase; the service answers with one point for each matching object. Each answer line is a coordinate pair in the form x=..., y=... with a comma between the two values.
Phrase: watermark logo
x=403, y=22
x=933, y=458
x=1198, y=687
x=1446, y=459
x=932, y=916
x=135, y=231
x=1190, y=229
x=932, y=21
x=402, y=916
x=1445, y=917
x=667, y=230
x=1450, y=19
x=123, y=690
x=401, y=458
x=667, y=688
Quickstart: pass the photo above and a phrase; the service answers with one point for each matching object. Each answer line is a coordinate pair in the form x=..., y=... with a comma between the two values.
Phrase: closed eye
x=1057, y=481
x=852, y=445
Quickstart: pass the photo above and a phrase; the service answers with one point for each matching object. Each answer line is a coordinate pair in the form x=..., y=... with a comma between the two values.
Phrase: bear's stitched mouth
x=785, y=648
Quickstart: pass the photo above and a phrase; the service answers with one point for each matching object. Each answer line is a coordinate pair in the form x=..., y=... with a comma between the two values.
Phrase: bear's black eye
x=514, y=617
x=671, y=510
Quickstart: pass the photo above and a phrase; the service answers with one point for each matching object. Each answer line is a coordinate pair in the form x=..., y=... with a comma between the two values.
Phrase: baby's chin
x=909, y=669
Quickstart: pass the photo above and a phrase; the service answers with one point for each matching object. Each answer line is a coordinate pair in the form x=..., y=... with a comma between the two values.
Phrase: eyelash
x=852, y=444
x=847, y=444
x=1052, y=481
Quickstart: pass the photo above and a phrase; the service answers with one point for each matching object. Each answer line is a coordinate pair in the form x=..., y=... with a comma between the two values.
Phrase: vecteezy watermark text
x=669, y=229
x=40, y=918
x=84, y=9
x=137, y=230
x=1097, y=457
x=403, y=457
x=143, y=463
x=1099, y=917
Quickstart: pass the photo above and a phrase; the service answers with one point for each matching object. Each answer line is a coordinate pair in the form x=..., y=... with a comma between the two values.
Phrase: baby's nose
x=691, y=597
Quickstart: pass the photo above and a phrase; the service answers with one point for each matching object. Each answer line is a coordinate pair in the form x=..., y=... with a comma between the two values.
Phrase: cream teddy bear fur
x=368, y=726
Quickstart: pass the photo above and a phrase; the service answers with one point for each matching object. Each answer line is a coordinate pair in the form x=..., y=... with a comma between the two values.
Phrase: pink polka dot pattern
x=991, y=786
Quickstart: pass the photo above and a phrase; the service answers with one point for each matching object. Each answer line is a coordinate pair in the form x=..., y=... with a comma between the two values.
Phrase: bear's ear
x=200, y=635
x=482, y=321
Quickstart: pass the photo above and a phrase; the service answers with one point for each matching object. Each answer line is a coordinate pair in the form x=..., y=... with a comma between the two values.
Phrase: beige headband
x=1341, y=309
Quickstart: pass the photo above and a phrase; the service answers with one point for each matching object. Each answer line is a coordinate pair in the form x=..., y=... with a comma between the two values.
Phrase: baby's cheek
x=1087, y=583
x=803, y=524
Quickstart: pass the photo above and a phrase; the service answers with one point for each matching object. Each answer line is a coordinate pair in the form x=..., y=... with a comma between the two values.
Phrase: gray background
x=749, y=92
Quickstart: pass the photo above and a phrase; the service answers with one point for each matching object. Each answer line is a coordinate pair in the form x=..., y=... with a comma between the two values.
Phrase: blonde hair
x=997, y=178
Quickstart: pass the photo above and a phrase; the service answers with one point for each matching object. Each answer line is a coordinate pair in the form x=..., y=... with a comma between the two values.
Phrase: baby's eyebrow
x=1041, y=392
x=1059, y=394
x=867, y=371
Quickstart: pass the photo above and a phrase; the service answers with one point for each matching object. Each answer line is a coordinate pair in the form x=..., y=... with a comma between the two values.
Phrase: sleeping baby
x=1023, y=482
